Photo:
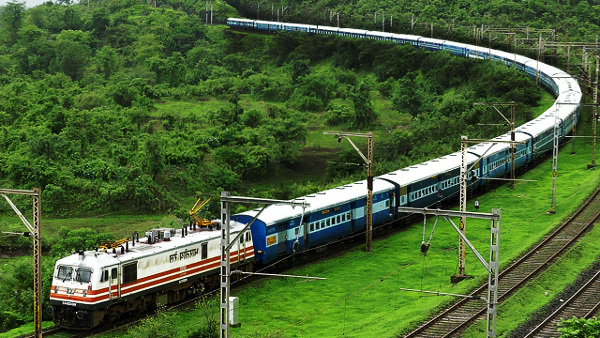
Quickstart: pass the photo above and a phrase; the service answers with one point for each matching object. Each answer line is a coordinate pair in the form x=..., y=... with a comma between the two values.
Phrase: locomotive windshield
x=83, y=275
x=64, y=272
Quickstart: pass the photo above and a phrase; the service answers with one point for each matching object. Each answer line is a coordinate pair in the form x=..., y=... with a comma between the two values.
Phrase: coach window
x=130, y=273
x=204, y=249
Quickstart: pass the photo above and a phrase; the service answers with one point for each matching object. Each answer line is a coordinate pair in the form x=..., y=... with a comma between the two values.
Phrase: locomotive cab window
x=104, y=276
x=83, y=275
x=113, y=273
x=64, y=272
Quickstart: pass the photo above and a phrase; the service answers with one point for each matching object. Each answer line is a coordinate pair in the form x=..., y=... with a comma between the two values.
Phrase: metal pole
x=513, y=146
x=225, y=266
x=594, y=118
x=515, y=53
x=537, y=64
x=489, y=45
x=568, y=57
x=554, y=163
x=370, y=192
x=37, y=263
x=492, y=296
x=462, y=207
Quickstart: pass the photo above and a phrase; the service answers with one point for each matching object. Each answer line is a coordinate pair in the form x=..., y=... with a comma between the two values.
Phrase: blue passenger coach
x=280, y=230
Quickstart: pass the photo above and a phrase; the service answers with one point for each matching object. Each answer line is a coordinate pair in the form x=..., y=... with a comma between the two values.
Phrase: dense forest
x=86, y=94
x=132, y=106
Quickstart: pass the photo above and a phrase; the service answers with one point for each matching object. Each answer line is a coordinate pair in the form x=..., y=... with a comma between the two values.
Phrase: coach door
x=114, y=283
x=353, y=216
x=281, y=239
x=306, y=234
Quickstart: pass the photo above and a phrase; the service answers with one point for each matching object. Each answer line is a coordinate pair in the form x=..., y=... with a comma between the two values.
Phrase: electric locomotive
x=167, y=265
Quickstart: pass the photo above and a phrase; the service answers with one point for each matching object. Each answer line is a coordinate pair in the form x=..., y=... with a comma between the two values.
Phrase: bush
x=337, y=115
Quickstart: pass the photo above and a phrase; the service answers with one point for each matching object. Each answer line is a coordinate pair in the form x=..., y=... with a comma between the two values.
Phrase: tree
x=72, y=52
x=363, y=109
x=299, y=68
x=12, y=15
x=107, y=61
x=408, y=96
x=155, y=155
x=36, y=50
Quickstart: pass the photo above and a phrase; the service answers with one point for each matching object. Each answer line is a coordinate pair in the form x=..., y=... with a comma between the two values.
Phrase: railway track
x=584, y=303
x=453, y=320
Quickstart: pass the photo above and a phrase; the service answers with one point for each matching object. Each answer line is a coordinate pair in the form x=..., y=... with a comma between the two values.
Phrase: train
x=167, y=265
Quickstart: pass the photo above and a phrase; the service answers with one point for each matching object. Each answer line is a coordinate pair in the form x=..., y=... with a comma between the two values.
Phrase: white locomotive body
x=164, y=267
